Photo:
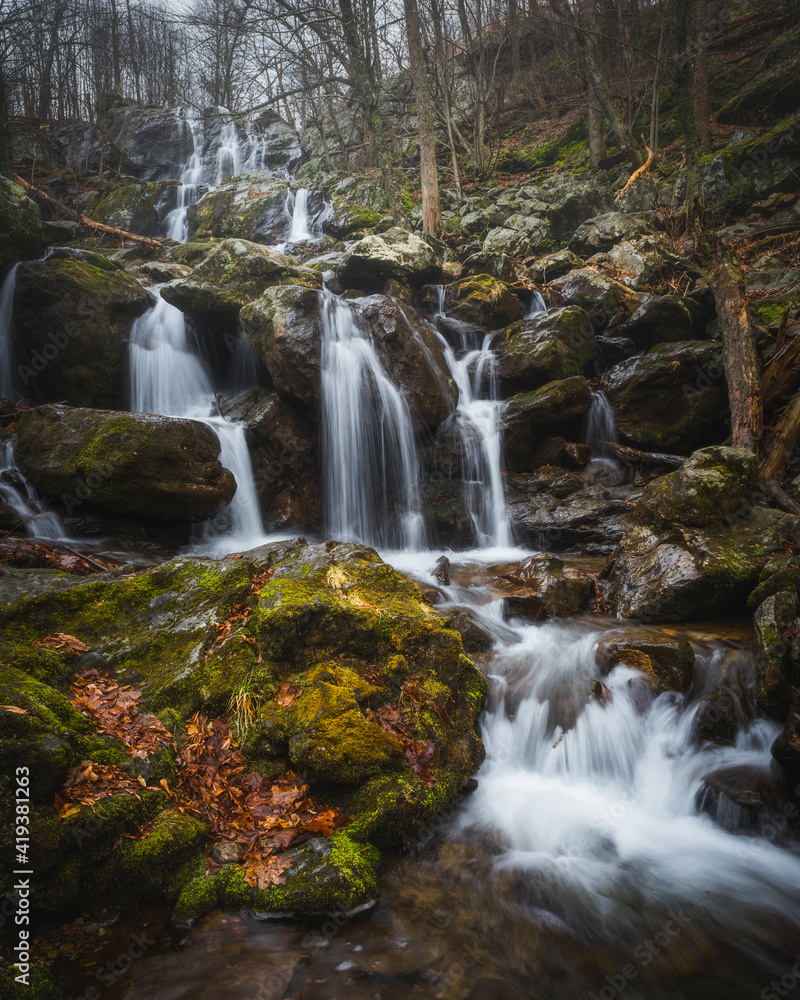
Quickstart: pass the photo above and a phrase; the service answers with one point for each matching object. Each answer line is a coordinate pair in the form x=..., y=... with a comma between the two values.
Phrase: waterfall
x=601, y=425
x=18, y=493
x=176, y=223
x=371, y=467
x=7, y=380
x=477, y=421
x=537, y=305
x=229, y=154
x=300, y=225
x=167, y=377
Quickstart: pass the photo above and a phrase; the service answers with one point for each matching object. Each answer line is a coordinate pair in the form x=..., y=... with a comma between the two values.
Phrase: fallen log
x=784, y=440
x=29, y=554
x=739, y=354
x=780, y=497
x=636, y=457
x=43, y=198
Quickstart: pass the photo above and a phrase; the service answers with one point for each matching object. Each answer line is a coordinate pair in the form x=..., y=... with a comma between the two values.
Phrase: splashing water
x=7, y=381
x=17, y=492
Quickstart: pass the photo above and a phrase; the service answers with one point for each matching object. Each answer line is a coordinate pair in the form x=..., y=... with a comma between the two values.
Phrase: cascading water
x=18, y=493
x=176, y=223
x=167, y=377
x=7, y=380
x=371, y=466
x=300, y=225
x=477, y=421
x=601, y=431
x=229, y=154
x=537, y=305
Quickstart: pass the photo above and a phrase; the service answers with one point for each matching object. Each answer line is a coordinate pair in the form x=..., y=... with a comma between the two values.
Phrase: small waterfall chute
x=17, y=492
x=537, y=305
x=8, y=383
x=176, y=223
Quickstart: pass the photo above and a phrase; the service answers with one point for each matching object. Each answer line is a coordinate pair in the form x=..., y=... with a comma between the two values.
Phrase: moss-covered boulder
x=136, y=208
x=396, y=254
x=558, y=407
x=234, y=274
x=249, y=207
x=496, y=265
x=775, y=652
x=602, y=298
x=545, y=269
x=672, y=397
x=482, y=300
x=135, y=464
x=554, y=345
x=22, y=232
x=662, y=319
x=697, y=541
x=73, y=315
x=349, y=674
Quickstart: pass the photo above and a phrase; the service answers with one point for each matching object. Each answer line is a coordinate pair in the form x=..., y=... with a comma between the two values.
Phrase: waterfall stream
x=17, y=492
x=7, y=380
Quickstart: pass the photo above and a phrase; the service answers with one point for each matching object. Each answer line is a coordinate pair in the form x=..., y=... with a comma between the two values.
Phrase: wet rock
x=446, y=513
x=496, y=265
x=541, y=586
x=530, y=417
x=614, y=350
x=137, y=464
x=483, y=301
x=552, y=346
x=697, y=541
x=250, y=207
x=136, y=208
x=605, y=231
x=775, y=651
x=475, y=638
x=22, y=230
x=600, y=297
x=545, y=269
x=396, y=254
x=661, y=319
x=672, y=398
x=234, y=274
x=669, y=663
x=283, y=448
x=786, y=748
x=441, y=571
x=718, y=719
x=73, y=315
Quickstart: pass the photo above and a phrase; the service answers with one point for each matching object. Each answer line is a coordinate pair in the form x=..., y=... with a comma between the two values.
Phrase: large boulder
x=542, y=586
x=136, y=208
x=346, y=673
x=553, y=345
x=232, y=275
x=284, y=452
x=286, y=328
x=673, y=397
x=482, y=300
x=667, y=661
x=697, y=541
x=138, y=464
x=605, y=231
x=250, y=207
x=73, y=315
x=662, y=319
x=602, y=298
x=530, y=417
x=22, y=232
x=396, y=254
x=545, y=269
x=574, y=203
x=776, y=652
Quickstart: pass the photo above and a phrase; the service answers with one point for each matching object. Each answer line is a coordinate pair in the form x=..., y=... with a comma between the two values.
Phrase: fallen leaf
x=13, y=708
x=287, y=693
x=60, y=640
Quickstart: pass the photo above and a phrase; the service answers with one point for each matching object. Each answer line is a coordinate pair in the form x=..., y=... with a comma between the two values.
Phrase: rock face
x=673, y=397
x=22, y=231
x=73, y=315
x=137, y=464
x=136, y=208
x=351, y=640
x=232, y=275
x=285, y=329
x=532, y=416
x=394, y=254
x=553, y=345
x=697, y=540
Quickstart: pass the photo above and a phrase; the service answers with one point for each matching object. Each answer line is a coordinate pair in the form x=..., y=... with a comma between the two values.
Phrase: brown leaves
x=60, y=640
x=27, y=554
x=89, y=782
x=259, y=581
x=235, y=616
x=416, y=752
x=263, y=816
x=14, y=709
x=287, y=693
x=114, y=708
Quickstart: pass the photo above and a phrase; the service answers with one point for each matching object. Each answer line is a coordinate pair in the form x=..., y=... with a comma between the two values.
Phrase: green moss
x=41, y=984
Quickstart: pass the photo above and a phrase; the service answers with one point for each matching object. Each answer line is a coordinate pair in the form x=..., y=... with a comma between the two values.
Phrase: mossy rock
x=530, y=417
x=395, y=254
x=136, y=208
x=482, y=300
x=249, y=207
x=554, y=345
x=22, y=231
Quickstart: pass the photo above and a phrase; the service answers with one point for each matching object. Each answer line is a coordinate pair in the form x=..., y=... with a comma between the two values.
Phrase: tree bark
x=429, y=180
x=686, y=90
x=784, y=440
x=741, y=361
x=702, y=108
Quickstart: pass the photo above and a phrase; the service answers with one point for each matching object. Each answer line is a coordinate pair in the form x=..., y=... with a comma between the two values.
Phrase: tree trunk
x=6, y=145
x=597, y=143
x=702, y=108
x=591, y=72
x=429, y=181
x=784, y=440
x=741, y=361
x=685, y=80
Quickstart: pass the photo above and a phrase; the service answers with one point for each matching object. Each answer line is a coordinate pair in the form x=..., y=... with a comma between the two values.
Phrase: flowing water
x=21, y=497
x=8, y=383
x=176, y=223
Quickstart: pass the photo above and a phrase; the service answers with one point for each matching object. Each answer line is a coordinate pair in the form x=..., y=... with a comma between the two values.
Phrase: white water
x=370, y=461
x=538, y=305
x=300, y=226
x=167, y=377
x=477, y=421
x=176, y=223
x=594, y=806
x=17, y=492
x=7, y=380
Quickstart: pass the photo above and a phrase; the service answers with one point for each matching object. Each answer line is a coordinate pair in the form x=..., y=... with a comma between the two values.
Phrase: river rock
x=697, y=540
x=605, y=231
x=601, y=297
x=250, y=207
x=668, y=662
x=136, y=208
x=347, y=635
x=22, y=231
x=552, y=346
x=661, y=319
x=232, y=275
x=776, y=652
x=481, y=300
x=396, y=254
x=138, y=464
x=73, y=315
x=673, y=397
x=530, y=417
x=542, y=586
